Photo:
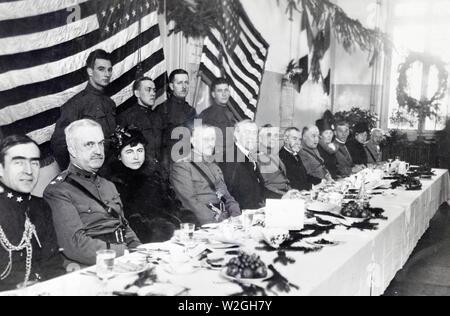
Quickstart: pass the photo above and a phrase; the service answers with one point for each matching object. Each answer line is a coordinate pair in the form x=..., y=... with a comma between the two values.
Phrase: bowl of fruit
x=246, y=267
x=355, y=210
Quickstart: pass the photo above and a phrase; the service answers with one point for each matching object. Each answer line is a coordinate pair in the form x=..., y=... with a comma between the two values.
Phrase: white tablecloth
x=364, y=264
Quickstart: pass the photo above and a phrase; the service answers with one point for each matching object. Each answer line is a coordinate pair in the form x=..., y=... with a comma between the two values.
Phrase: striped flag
x=237, y=51
x=44, y=45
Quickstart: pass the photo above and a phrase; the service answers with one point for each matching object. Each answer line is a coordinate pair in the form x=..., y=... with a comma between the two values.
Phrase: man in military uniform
x=144, y=116
x=87, y=210
x=219, y=115
x=28, y=248
x=175, y=112
x=90, y=103
x=199, y=182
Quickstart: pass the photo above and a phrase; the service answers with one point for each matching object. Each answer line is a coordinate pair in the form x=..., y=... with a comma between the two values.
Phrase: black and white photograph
x=210, y=150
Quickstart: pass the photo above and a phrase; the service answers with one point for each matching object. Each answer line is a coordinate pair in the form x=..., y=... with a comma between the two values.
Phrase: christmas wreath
x=424, y=108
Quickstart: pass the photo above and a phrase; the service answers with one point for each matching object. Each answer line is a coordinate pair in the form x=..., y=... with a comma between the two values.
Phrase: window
x=420, y=26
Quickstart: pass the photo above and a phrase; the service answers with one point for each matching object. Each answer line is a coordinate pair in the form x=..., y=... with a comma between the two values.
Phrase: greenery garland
x=424, y=108
x=196, y=17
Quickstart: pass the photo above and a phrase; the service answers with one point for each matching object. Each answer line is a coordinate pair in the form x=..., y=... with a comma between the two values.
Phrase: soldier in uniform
x=199, y=182
x=219, y=115
x=144, y=116
x=87, y=209
x=175, y=112
x=28, y=247
x=90, y=103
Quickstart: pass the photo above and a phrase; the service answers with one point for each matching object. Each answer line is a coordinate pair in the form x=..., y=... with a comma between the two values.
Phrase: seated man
x=295, y=170
x=242, y=174
x=313, y=162
x=87, y=210
x=199, y=182
x=28, y=247
x=345, y=164
x=373, y=146
x=272, y=168
x=356, y=146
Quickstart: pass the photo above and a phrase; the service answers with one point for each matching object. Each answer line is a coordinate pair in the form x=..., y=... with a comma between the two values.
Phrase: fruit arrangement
x=353, y=209
x=246, y=266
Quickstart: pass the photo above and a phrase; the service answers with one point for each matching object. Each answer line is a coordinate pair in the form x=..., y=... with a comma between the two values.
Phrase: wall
x=354, y=87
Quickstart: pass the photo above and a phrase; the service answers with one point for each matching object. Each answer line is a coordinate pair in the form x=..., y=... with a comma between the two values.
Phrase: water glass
x=247, y=220
x=105, y=264
x=187, y=231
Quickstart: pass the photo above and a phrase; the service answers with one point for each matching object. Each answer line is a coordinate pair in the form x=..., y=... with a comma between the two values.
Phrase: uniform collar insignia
x=14, y=196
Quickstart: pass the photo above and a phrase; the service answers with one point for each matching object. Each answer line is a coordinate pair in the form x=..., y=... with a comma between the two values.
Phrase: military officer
x=219, y=114
x=199, y=182
x=175, y=112
x=144, y=116
x=90, y=103
x=87, y=209
x=28, y=247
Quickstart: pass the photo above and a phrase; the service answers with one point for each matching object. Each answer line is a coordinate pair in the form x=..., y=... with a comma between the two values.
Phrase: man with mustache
x=313, y=162
x=144, y=116
x=199, y=182
x=175, y=112
x=87, y=210
x=289, y=155
x=28, y=248
x=90, y=103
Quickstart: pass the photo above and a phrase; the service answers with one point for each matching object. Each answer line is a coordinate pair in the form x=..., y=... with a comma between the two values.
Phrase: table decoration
x=283, y=258
x=279, y=282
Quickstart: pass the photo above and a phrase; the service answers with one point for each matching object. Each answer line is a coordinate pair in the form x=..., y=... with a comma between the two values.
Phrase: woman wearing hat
x=149, y=205
x=356, y=146
x=327, y=148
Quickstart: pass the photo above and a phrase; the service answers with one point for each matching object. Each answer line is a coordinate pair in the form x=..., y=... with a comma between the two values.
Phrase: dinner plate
x=224, y=274
x=128, y=268
x=160, y=247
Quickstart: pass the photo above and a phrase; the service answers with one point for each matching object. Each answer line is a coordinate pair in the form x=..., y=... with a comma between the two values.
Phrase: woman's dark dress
x=149, y=204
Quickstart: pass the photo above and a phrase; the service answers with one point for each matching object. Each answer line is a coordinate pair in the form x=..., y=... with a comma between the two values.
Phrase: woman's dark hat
x=326, y=123
x=360, y=128
x=124, y=136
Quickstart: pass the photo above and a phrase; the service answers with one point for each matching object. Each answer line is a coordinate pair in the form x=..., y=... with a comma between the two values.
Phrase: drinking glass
x=247, y=220
x=105, y=264
x=187, y=231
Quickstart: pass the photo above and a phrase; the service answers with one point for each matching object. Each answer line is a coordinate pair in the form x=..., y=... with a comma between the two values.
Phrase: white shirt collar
x=246, y=152
x=290, y=151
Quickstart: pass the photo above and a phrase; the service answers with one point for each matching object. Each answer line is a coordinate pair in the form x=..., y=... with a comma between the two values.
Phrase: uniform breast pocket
x=92, y=215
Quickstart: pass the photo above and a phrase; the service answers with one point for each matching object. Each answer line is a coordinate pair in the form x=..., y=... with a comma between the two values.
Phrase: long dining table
x=363, y=263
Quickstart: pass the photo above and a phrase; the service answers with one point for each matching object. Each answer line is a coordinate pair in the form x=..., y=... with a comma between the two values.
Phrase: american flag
x=44, y=45
x=237, y=51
